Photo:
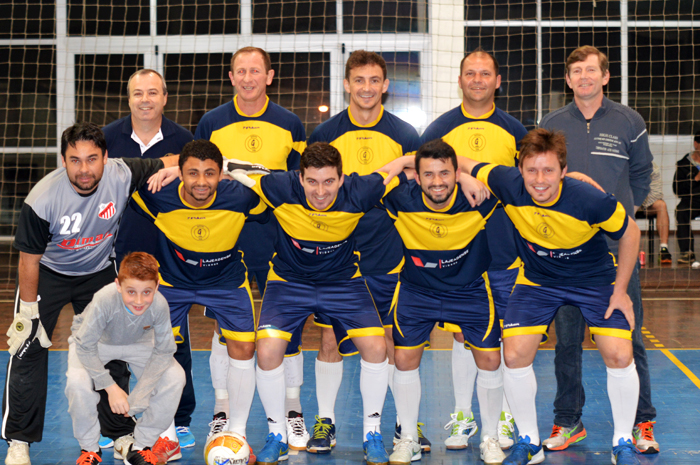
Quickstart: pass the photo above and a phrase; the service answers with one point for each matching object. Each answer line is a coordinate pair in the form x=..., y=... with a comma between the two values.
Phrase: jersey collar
x=262, y=110
x=369, y=125
x=449, y=204
x=203, y=207
x=549, y=204
x=484, y=116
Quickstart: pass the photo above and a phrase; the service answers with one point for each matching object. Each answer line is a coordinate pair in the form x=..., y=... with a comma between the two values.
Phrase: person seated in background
x=686, y=185
x=655, y=204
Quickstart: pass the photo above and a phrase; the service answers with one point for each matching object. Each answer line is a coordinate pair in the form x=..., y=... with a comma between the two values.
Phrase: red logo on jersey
x=107, y=211
x=84, y=242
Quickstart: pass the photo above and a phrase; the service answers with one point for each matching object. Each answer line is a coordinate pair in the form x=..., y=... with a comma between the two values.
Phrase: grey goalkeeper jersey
x=74, y=233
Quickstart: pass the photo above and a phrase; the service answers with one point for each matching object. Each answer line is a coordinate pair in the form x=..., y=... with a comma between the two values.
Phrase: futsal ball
x=226, y=448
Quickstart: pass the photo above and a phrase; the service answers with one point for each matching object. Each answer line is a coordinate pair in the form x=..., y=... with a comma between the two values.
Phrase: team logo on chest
x=319, y=225
x=477, y=142
x=545, y=230
x=107, y=210
x=365, y=155
x=253, y=143
x=200, y=232
x=438, y=230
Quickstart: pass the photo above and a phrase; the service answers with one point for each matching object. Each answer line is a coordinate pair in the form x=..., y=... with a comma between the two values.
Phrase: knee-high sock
x=623, y=391
x=489, y=391
x=392, y=368
x=294, y=378
x=271, y=391
x=520, y=386
x=328, y=379
x=374, y=380
x=463, y=377
x=407, y=392
x=170, y=433
x=241, y=389
x=218, y=366
x=504, y=407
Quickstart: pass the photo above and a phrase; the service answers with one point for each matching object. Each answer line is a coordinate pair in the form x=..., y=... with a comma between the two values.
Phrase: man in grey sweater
x=128, y=320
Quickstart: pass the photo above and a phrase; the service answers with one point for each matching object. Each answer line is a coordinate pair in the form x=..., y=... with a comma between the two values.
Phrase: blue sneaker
x=375, y=454
x=105, y=443
x=625, y=453
x=273, y=451
x=185, y=436
x=524, y=453
x=323, y=437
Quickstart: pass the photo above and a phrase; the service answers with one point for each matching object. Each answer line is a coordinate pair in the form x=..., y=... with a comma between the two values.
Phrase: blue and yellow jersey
x=444, y=249
x=197, y=245
x=366, y=148
x=561, y=243
x=314, y=245
x=490, y=138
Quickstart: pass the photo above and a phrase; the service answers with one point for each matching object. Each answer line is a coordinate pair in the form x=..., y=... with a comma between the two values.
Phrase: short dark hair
x=201, y=149
x=83, y=131
x=143, y=72
x=479, y=51
x=697, y=136
x=436, y=149
x=539, y=141
x=320, y=155
x=138, y=265
x=265, y=56
x=582, y=53
x=360, y=58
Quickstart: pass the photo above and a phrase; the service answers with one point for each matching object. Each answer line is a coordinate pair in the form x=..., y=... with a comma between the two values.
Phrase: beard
x=437, y=200
x=87, y=186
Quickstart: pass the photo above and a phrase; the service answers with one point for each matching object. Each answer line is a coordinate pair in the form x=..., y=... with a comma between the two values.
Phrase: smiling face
x=137, y=295
x=146, y=98
x=478, y=81
x=250, y=79
x=366, y=85
x=542, y=174
x=437, y=179
x=84, y=164
x=586, y=78
x=321, y=185
x=200, y=179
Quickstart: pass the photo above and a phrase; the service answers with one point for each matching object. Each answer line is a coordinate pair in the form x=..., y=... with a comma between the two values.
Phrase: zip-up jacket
x=684, y=183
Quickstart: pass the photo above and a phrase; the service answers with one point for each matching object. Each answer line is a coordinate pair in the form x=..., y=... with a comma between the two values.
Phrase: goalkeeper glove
x=25, y=328
x=240, y=170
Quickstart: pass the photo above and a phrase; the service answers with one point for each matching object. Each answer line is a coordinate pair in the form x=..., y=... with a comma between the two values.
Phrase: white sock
x=520, y=385
x=374, y=381
x=392, y=368
x=489, y=391
x=662, y=245
x=328, y=379
x=221, y=401
x=504, y=407
x=294, y=378
x=271, y=391
x=407, y=392
x=218, y=366
x=463, y=377
x=170, y=433
x=623, y=391
x=241, y=389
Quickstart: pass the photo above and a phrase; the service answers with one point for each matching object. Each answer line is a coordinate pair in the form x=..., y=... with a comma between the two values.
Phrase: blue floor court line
x=676, y=398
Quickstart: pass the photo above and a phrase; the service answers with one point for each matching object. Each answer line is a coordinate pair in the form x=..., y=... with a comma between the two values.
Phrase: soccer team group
x=479, y=226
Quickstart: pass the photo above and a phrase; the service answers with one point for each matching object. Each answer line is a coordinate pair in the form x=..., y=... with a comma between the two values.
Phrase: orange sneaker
x=561, y=437
x=88, y=458
x=643, y=438
x=166, y=450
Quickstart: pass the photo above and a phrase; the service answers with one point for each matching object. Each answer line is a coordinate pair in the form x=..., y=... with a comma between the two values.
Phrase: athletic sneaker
x=665, y=256
x=686, y=258
x=140, y=457
x=218, y=424
x=375, y=454
x=297, y=436
x=405, y=451
x=425, y=444
x=624, y=453
x=323, y=438
x=273, y=451
x=643, y=437
x=491, y=453
x=506, y=430
x=105, y=443
x=89, y=458
x=523, y=453
x=17, y=453
x=461, y=430
x=562, y=438
x=185, y=436
x=166, y=450
x=122, y=445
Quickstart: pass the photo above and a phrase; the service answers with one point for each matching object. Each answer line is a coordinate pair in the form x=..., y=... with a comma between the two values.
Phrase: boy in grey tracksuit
x=127, y=320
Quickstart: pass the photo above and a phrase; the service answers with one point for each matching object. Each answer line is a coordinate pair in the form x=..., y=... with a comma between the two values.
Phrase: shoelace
x=182, y=430
x=556, y=430
x=161, y=445
x=405, y=444
x=88, y=458
x=492, y=445
x=420, y=431
x=625, y=451
x=217, y=425
x=148, y=456
x=646, y=430
x=455, y=424
x=298, y=426
x=321, y=430
x=507, y=428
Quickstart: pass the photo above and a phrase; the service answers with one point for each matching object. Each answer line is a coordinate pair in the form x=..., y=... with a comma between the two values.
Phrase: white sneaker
x=218, y=424
x=121, y=446
x=297, y=435
x=491, y=452
x=18, y=453
x=405, y=451
x=462, y=429
x=506, y=430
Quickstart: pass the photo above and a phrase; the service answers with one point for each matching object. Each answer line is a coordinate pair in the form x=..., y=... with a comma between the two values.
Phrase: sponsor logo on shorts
x=511, y=325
